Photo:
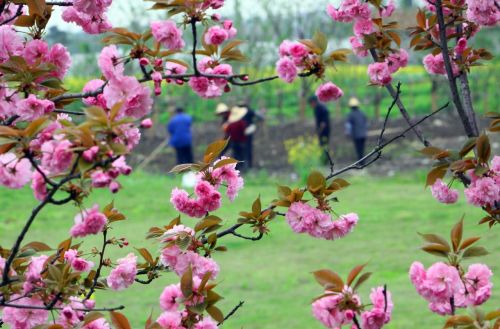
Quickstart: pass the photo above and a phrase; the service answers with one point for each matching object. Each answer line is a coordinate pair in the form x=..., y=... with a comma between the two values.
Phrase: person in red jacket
x=235, y=131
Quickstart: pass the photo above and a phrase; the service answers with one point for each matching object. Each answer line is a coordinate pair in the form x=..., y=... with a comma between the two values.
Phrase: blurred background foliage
x=263, y=25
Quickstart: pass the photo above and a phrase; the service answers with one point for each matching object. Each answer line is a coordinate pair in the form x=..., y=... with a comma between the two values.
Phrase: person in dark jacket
x=322, y=118
x=235, y=131
x=250, y=119
x=357, y=127
x=181, y=139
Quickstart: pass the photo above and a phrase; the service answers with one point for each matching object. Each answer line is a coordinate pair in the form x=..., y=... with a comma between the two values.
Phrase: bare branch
x=470, y=130
x=100, y=266
x=230, y=314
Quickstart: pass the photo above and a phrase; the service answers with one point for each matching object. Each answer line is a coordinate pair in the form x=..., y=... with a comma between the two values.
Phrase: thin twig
x=230, y=314
x=376, y=153
x=193, y=51
x=401, y=106
x=99, y=268
x=18, y=13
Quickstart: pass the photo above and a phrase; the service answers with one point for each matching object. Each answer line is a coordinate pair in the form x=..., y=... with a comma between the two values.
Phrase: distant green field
x=273, y=276
x=416, y=93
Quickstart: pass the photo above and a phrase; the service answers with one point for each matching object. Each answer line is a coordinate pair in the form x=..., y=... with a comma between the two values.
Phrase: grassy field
x=273, y=276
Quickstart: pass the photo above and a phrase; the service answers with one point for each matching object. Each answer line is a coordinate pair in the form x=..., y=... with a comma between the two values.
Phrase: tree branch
x=99, y=268
x=402, y=108
x=18, y=13
x=195, y=42
x=230, y=314
x=376, y=153
x=470, y=130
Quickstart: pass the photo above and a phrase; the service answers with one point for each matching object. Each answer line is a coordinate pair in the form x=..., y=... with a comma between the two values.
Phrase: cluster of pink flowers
x=483, y=12
x=179, y=260
x=380, y=73
x=123, y=275
x=293, y=57
x=71, y=314
x=136, y=98
x=208, y=198
x=14, y=173
x=328, y=92
x=381, y=311
x=217, y=35
x=434, y=64
x=339, y=309
x=89, y=14
x=90, y=221
x=171, y=302
x=211, y=87
x=107, y=178
x=442, y=193
x=19, y=318
x=441, y=283
x=35, y=52
x=483, y=191
x=168, y=34
x=303, y=218
x=78, y=264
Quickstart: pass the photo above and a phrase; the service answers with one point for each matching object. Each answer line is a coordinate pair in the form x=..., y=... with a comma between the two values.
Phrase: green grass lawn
x=273, y=275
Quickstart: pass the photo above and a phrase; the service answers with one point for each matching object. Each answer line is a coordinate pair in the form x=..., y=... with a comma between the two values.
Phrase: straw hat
x=221, y=108
x=237, y=113
x=354, y=102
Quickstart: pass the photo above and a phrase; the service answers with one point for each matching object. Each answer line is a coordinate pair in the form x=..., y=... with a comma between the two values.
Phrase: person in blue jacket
x=181, y=138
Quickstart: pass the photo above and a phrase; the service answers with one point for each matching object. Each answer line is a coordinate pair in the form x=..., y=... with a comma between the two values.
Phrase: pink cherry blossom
x=11, y=43
x=59, y=56
x=147, y=123
x=170, y=320
x=328, y=312
x=92, y=7
x=231, y=30
x=90, y=221
x=57, y=155
x=90, y=154
x=38, y=185
x=9, y=101
x=35, y=267
x=206, y=323
x=484, y=191
x=110, y=63
x=123, y=275
x=91, y=24
x=363, y=27
x=14, y=173
x=435, y=65
x=94, y=86
x=442, y=193
x=229, y=175
x=379, y=73
x=397, y=60
x=495, y=164
x=216, y=35
x=199, y=265
x=7, y=17
x=380, y=314
x=341, y=227
x=136, y=98
x=97, y=324
x=31, y=108
x=20, y=318
x=461, y=46
x=476, y=288
x=388, y=9
x=35, y=51
x=357, y=47
x=287, y=70
x=349, y=10
x=77, y=263
x=168, y=34
x=483, y=12
x=170, y=297
x=328, y=92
